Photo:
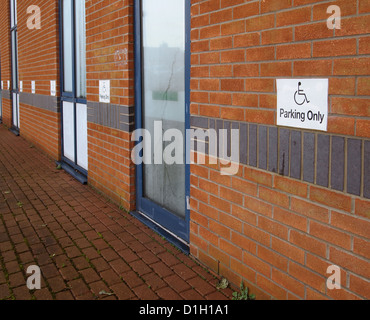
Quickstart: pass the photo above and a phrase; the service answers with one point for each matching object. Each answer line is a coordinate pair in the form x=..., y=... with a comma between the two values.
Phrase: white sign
x=8, y=84
x=104, y=91
x=303, y=103
x=53, y=88
x=20, y=86
x=33, y=86
x=2, y=85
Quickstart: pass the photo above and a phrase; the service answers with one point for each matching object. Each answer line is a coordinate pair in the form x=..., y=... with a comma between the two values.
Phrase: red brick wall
x=38, y=50
x=110, y=168
x=109, y=29
x=5, y=57
x=278, y=234
x=240, y=47
x=42, y=128
x=38, y=60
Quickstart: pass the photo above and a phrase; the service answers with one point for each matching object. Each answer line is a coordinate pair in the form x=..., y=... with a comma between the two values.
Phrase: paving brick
x=140, y=267
x=119, y=266
x=43, y=294
x=122, y=291
x=132, y=279
x=69, y=273
x=109, y=254
x=89, y=275
x=4, y=291
x=16, y=280
x=66, y=295
x=22, y=293
x=154, y=281
x=161, y=269
x=145, y=293
x=97, y=287
x=78, y=287
x=110, y=277
x=168, y=294
x=127, y=258
x=202, y=286
x=178, y=284
x=100, y=264
x=57, y=284
x=184, y=272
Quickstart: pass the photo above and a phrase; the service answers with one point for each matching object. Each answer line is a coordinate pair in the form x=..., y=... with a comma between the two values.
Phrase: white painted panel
x=68, y=131
x=14, y=107
x=18, y=112
x=1, y=105
x=82, y=157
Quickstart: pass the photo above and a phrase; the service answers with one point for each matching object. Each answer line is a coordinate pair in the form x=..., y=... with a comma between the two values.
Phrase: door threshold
x=73, y=172
x=14, y=131
x=168, y=235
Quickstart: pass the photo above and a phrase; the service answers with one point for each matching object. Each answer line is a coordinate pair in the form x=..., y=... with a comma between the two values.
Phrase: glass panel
x=80, y=49
x=69, y=131
x=81, y=114
x=18, y=115
x=67, y=45
x=12, y=22
x=14, y=60
x=15, y=109
x=164, y=96
x=15, y=12
x=1, y=104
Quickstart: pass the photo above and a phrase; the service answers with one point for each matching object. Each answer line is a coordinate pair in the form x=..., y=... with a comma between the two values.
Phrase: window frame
x=14, y=46
x=67, y=95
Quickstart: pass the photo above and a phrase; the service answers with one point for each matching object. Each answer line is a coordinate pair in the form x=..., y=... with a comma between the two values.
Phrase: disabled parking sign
x=303, y=103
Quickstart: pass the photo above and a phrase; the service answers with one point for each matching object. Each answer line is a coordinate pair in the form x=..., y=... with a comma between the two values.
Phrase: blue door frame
x=175, y=229
x=68, y=165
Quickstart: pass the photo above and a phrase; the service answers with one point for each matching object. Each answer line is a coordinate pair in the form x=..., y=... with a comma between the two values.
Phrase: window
x=14, y=62
x=73, y=87
x=13, y=32
x=74, y=48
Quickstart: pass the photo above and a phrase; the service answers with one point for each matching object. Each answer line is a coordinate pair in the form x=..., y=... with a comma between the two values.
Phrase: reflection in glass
x=14, y=60
x=80, y=49
x=164, y=95
x=67, y=45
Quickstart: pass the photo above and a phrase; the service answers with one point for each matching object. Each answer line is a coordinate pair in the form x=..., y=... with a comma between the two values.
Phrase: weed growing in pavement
x=243, y=294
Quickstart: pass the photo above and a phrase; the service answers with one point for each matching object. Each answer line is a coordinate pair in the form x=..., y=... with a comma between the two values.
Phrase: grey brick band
x=5, y=94
x=40, y=101
x=111, y=115
x=328, y=160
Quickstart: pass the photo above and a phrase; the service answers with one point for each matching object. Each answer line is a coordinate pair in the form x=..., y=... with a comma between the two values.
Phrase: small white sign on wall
x=8, y=84
x=104, y=91
x=303, y=103
x=33, y=86
x=53, y=88
x=20, y=86
x=2, y=85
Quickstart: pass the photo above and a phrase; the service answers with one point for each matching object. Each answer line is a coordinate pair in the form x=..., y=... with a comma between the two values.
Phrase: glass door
x=162, y=91
x=73, y=88
x=14, y=63
x=1, y=96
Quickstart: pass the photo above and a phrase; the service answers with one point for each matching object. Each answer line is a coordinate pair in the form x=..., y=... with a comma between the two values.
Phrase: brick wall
x=5, y=60
x=295, y=207
x=38, y=50
x=38, y=60
x=109, y=45
x=300, y=200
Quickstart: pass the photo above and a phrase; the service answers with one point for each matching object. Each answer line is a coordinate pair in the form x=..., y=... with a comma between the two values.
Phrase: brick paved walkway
x=83, y=244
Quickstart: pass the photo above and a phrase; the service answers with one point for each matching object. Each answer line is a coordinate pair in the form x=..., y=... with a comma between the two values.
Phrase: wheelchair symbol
x=300, y=93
